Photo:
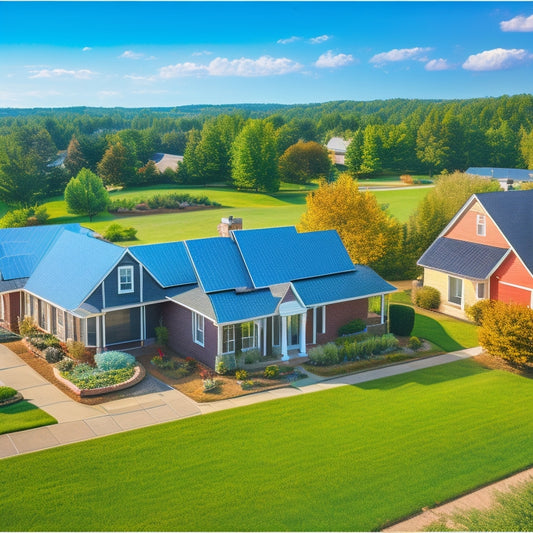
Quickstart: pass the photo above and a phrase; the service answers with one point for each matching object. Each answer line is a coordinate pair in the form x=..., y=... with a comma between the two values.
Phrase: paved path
x=151, y=402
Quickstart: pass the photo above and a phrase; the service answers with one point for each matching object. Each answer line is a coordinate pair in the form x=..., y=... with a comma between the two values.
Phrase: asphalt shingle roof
x=512, y=211
x=464, y=259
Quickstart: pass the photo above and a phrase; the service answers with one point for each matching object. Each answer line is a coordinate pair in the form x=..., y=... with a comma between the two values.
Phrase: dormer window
x=481, y=228
x=125, y=279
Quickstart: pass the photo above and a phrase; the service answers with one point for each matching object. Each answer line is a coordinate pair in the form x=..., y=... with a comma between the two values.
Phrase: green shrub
x=161, y=334
x=355, y=326
x=92, y=378
x=27, y=327
x=41, y=341
x=241, y=375
x=271, y=372
x=401, y=319
x=6, y=393
x=76, y=349
x=247, y=384
x=28, y=216
x=252, y=356
x=113, y=360
x=414, y=343
x=225, y=363
x=329, y=354
x=117, y=233
x=53, y=354
x=65, y=365
x=427, y=297
x=476, y=311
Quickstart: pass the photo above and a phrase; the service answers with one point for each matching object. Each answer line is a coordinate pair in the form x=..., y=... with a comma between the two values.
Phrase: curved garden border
x=13, y=399
x=138, y=376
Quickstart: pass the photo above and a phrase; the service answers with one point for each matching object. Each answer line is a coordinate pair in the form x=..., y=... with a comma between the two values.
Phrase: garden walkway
x=150, y=402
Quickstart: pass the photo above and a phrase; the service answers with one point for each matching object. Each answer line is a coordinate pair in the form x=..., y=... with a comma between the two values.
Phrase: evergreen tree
x=117, y=167
x=75, y=160
x=526, y=147
x=353, y=158
x=371, y=153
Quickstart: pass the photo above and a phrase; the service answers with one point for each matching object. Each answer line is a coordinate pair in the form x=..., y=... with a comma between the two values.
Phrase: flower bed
x=138, y=374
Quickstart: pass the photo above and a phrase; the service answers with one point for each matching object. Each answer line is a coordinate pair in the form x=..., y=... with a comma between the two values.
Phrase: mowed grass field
x=258, y=210
x=348, y=459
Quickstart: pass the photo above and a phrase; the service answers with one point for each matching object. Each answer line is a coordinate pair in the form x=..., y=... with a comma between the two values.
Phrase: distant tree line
x=257, y=146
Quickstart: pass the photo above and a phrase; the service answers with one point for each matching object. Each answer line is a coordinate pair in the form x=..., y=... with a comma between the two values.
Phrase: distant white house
x=164, y=161
x=505, y=176
x=59, y=161
x=338, y=146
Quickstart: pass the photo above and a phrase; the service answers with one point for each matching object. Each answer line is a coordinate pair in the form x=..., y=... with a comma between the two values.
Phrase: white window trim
x=2, y=308
x=232, y=341
x=481, y=224
x=462, y=291
x=122, y=269
x=198, y=325
x=254, y=336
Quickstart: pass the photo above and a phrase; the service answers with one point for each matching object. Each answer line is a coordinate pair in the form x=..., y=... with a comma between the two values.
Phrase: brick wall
x=178, y=320
x=11, y=311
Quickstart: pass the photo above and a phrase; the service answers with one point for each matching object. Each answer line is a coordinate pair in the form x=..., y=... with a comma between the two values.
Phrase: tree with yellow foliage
x=367, y=231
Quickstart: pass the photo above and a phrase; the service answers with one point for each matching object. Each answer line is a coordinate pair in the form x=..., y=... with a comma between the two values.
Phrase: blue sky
x=149, y=54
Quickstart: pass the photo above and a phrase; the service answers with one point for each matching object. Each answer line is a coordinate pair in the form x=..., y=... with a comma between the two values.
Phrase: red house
x=486, y=251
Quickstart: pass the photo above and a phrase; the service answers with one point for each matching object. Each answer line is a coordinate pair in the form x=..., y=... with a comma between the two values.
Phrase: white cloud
x=134, y=77
x=290, y=40
x=328, y=60
x=130, y=54
x=320, y=39
x=438, y=64
x=82, y=74
x=108, y=93
x=202, y=53
x=243, y=67
x=402, y=54
x=497, y=59
x=519, y=23
x=86, y=49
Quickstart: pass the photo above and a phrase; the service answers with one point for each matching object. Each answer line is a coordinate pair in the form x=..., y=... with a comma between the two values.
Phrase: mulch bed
x=495, y=363
x=46, y=370
x=162, y=210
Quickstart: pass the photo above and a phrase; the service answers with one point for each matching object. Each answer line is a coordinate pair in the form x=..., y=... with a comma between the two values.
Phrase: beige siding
x=439, y=280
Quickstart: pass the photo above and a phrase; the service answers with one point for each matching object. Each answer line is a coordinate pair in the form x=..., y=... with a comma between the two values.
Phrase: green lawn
x=351, y=458
x=446, y=332
x=257, y=209
x=23, y=415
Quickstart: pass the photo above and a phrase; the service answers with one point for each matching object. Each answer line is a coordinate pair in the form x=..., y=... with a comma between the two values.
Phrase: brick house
x=484, y=252
x=273, y=290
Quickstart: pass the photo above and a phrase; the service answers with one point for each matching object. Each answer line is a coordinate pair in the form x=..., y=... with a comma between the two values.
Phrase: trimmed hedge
x=401, y=319
x=6, y=393
x=354, y=326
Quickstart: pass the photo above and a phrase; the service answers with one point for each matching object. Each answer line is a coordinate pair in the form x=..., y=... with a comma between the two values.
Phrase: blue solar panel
x=218, y=264
x=363, y=281
x=280, y=255
x=72, y=269
x=168, y=263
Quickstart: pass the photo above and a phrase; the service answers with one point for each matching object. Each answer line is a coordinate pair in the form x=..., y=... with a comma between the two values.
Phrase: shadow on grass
x=23, y=415
x=428, y=376
x=430, y=329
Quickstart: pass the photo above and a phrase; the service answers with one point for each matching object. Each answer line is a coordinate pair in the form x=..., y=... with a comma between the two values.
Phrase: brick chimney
x=229, y=224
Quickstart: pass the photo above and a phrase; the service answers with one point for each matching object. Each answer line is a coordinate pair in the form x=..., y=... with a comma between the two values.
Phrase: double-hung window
x=125, y=279
x=455, y=290
x=481, y=227
x=198, y=331
x=481, y=290
x=249, y=335
x=228, y=339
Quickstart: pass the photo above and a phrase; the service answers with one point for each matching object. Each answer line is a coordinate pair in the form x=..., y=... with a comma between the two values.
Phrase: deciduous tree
x=366, y=230
x=117, y=167
x=86, y=195
x=303, y=162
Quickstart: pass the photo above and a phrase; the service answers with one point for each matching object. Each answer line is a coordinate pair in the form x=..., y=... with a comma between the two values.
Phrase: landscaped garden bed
x=9, y=395
x=204, y=385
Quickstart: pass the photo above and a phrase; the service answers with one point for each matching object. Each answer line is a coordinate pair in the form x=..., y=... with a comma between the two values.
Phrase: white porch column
x=219, y=339
x=382, y=309
x=265, y=335
x=284, y=351
x=98, y=334
x=303, y=324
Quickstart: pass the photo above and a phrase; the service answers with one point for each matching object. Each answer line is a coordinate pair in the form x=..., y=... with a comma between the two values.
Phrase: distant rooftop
x=516, y=174
x=164, y=161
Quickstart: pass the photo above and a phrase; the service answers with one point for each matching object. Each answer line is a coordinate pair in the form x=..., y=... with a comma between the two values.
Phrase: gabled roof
x=218, y=264
x=231, y=306
x=168, y=263
x=363, y=281
x=462, y=258
x=72, y=268
x=518, y=174
x=280, y=255
x=21, y=249
x=338, y=144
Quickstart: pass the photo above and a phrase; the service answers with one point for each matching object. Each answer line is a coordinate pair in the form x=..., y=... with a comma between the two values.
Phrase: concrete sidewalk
x=150, y=402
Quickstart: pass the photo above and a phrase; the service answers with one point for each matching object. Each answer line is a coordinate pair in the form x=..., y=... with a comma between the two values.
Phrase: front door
x=293, y=330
